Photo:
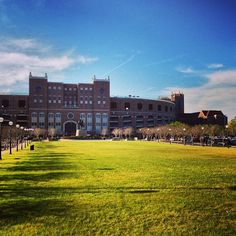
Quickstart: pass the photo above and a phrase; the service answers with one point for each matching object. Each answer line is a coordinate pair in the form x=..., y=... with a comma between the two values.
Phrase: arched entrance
x=70, y=127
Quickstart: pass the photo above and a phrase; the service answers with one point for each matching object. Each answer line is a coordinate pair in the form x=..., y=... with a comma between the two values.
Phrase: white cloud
x=20, y=56
x=218, y=93
x=185, y=70
x=215, y=66
x=86, y=59
x=227, y=77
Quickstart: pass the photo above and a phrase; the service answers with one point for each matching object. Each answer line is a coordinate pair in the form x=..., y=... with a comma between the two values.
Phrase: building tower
x=178, y=99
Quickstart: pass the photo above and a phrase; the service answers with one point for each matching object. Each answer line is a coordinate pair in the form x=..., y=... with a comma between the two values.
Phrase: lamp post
x=1, y=120
x=170, y=136
x=22, y=128
x=158, y=134
x=17, y=127
x=226, y=128
x=10, y=124
x=25, y=136
x=184, y=136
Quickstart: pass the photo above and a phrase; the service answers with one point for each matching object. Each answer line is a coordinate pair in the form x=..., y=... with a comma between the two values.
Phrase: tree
x=115, y=132
x=38, y=132
x=128, y=132
x=104, y=132
x=232, y=126
x=52, y=132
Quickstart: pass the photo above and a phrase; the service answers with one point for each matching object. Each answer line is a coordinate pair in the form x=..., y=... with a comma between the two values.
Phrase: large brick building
x=63, y=106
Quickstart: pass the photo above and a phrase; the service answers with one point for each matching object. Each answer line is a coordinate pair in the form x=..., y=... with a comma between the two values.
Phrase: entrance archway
x=70, y=127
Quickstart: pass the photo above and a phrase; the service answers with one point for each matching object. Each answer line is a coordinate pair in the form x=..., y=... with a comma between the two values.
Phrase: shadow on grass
x=26, y=210
x=105, y=168
x=24, y=195
x=48, y=162
x=39, y=177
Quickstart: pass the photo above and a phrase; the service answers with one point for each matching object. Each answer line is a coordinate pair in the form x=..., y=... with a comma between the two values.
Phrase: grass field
x=118, y=188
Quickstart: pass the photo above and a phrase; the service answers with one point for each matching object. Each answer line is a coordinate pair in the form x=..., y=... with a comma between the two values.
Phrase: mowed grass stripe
x=118, y=188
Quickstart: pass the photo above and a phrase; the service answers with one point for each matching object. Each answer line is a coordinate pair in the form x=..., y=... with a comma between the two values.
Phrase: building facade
x=88, y=106
x=68, y=108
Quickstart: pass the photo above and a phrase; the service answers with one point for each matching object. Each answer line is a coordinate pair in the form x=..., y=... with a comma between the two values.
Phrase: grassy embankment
x=118, y=188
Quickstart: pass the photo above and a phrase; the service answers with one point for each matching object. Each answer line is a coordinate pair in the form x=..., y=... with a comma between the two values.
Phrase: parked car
x=232, y=141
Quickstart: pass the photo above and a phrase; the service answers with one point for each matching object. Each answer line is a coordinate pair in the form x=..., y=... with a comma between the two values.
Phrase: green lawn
x=118, y=188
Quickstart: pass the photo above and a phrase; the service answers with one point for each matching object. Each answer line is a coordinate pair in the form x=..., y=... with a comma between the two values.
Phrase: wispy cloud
x=86, y=59
x=215, y=66
x=160, y=62
x=217, y=93
x=20, y=56
x=131, y=58
x=186, y=70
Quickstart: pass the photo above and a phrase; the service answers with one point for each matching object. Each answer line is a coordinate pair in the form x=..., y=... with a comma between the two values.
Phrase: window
x=49, y=101
x=127, y=105
x=81, y=88
x=104, y=116
x=81, y=102
x=41, y=114
x=150, y=107
x=40, y=101
x=139, y=117
x=98, y=118
x=50, y=115
x=70, y=115
x=159, y=108
x=86, y=88
x=33, y=124
x=113, y=105
x=99, y=102
x=35, y=100
x=166, y=108
x=139, y=106
x=90, y=102
x=86, y=102
x=89, y=116
x=58, y=118
x=49, y=87
x=104, y=102
x=59, y=87
x=58, y=115
x=34, y=114
x=21, y=104
x=74, y=89
x=54, y=87
x=50, y=124
x=41, y=124
x=90, y=89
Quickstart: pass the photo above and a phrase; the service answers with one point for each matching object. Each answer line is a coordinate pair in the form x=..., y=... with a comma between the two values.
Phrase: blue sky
x=147, y=47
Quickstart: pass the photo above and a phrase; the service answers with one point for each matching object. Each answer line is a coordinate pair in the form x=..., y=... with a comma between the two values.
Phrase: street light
x=1, y=120
x=22, y=128
x=226, y=127
x=184, y=136
x=10, y=124
x=17, y=127
x=25, y=136
x=158, y=134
